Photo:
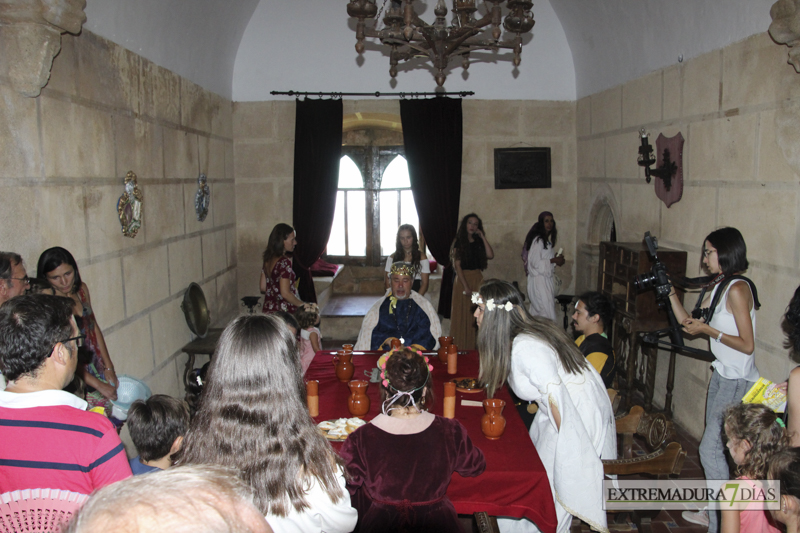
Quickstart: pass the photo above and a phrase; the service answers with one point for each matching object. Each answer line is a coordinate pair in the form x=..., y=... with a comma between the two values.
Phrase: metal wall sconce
x=666, y=171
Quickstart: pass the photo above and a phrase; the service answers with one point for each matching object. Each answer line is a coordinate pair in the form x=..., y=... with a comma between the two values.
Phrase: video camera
x=657, y=278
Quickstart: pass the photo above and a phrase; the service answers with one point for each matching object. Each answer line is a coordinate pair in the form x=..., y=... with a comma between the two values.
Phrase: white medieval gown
x=572, y=454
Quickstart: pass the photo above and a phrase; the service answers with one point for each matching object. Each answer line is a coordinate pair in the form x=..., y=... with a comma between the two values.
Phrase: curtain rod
x=376, y=94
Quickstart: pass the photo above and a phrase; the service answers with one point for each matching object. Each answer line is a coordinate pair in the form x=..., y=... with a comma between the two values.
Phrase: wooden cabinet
x=636, y=312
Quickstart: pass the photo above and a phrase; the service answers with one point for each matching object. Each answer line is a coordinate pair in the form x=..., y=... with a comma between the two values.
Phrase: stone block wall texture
x=63, y=158
x=739, y=171
x=264, y=157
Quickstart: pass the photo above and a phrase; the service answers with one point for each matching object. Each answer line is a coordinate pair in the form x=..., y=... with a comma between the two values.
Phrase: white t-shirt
x=323, y=516
x=424, y=267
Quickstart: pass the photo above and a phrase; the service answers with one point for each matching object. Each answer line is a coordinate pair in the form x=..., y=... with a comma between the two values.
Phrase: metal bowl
x=195, y=310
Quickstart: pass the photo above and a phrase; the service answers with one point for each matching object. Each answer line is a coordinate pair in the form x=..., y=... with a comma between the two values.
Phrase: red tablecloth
x=514, y=484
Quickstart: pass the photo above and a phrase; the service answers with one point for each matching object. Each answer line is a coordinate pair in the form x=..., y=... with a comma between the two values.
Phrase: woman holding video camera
x=726, y=314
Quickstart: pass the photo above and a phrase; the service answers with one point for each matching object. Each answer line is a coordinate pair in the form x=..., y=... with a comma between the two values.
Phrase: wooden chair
x=662, y=461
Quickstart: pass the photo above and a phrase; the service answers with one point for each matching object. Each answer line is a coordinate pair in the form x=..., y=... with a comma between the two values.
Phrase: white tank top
x=730, y=363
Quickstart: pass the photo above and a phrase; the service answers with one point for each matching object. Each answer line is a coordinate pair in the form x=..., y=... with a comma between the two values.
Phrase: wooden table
x=514, y=484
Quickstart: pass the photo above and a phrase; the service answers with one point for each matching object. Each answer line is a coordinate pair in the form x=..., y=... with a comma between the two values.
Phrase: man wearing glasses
x=13, y=278
x=47, y=438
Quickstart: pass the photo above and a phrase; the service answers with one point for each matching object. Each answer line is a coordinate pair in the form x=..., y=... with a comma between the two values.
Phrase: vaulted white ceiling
x=243, y=49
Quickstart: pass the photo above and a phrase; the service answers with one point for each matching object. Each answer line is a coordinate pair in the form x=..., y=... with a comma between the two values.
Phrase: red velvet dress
x=398, y=482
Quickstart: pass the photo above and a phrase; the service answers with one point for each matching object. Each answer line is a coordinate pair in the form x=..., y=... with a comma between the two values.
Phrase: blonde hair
x=756, y=424
x=499, y=329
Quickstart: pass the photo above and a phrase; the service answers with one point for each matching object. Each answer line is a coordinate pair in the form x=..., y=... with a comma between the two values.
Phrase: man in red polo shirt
x=47, y=438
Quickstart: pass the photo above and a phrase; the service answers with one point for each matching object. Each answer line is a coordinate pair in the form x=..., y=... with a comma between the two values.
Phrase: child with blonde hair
x=307, y=316
x=755, y=434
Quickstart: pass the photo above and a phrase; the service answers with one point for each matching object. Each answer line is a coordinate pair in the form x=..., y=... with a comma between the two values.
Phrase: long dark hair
x=792, y=323
x=538, y=231
x=499, y=328
x=731, y=250
x=52, y=258
x=275, y=247
x=461, y=249
x=253, y=417
x=400, y=252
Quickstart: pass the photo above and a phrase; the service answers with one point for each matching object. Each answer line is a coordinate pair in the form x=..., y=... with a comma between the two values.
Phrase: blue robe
x=407, y=321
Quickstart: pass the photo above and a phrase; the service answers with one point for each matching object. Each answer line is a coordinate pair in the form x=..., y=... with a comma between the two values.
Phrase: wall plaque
x=522, y=168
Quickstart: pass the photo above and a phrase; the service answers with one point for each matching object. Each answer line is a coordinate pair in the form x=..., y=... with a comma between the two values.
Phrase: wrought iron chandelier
x=410, y=37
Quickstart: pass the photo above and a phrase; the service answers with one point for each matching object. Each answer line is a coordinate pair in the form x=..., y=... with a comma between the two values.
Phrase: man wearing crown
x=402, y=314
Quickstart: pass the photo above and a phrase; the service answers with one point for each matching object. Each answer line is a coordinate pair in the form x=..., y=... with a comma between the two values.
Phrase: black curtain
x=317, y=150
x=432, y=138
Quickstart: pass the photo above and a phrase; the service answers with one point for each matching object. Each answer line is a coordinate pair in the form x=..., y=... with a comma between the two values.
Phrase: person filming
x=726, y=315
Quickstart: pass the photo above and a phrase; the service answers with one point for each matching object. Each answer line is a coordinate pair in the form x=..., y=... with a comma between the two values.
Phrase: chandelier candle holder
x=408, y=36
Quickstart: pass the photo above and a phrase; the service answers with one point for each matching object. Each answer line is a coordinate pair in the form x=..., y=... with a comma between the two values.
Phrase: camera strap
x=723, y=281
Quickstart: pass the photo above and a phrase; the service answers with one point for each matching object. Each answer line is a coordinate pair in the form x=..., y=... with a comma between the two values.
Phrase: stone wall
x=731, y=107
x=264, y=154
x=63, y=158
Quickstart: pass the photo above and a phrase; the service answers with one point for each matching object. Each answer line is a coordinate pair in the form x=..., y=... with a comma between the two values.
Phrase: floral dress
x=88, y=326
x=273, y=301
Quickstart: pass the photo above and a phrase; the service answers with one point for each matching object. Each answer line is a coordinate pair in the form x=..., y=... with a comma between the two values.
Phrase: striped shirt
x=49, y=440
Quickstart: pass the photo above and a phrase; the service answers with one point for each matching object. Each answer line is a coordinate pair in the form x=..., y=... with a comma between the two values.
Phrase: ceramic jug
x=358, y=402
x=493, y=423
x=344, y=366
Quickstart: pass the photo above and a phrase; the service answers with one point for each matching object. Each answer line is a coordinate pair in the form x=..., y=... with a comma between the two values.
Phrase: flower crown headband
x=310, y=308
x=490, y=305
x=400, y=393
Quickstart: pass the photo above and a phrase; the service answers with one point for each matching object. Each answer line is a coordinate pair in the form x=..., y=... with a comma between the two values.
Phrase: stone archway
x=601, y=226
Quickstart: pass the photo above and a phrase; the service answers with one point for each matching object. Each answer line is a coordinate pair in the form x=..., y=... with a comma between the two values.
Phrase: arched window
x=373, y=199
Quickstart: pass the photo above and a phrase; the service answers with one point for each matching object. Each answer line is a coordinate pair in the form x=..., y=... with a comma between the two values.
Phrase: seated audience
x=58, y=267
x=785, y=468
x=157, y=426
x=13, y=277
x=406, y=456
x=253, y=417
x=47, y=438
x=401, y=314
x=575, y=423
x=188, y=499
x=592, y=317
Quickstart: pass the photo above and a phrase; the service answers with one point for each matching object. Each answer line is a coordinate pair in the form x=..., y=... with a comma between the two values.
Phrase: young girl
x=407, y=251
x=307, y=318
x=401, y=463
x=469, y=254
x=785, y=467
x=755, y=434
x=253, y=418
x=540, y=260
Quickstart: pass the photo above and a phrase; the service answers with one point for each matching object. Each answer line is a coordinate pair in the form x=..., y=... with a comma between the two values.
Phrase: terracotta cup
x=493, y=423
x=449, y=410
x=312, y=397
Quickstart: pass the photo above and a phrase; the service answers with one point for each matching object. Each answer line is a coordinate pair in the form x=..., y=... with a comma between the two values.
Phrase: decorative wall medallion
x=129, y=206
x=202, y=198
x=669, y=188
